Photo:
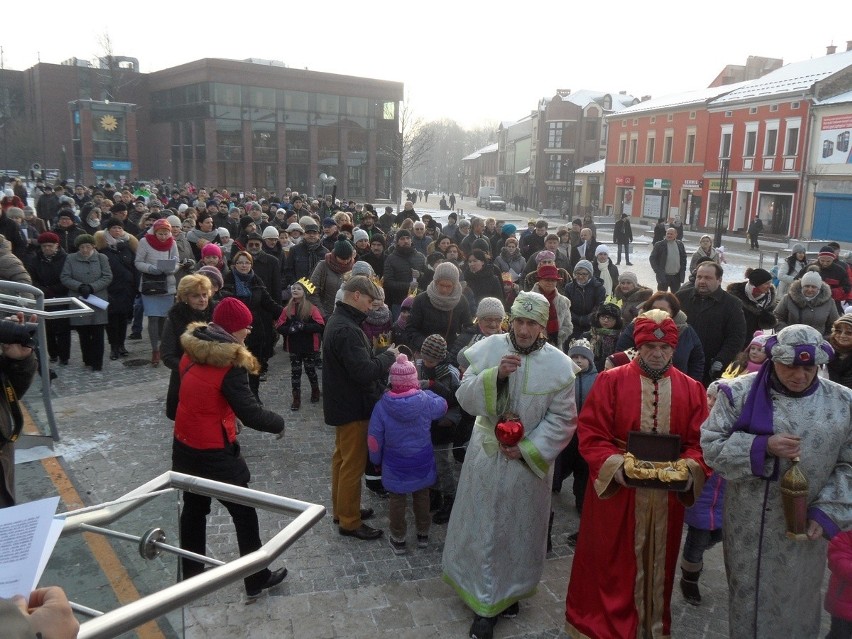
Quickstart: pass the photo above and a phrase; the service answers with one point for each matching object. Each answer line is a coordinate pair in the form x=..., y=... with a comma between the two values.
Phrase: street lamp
x=720, y=204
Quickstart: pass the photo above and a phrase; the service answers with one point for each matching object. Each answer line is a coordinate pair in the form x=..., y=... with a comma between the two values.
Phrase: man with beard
x=637, y=527
x=304, y=257
x=402, y=267
x=368, y=225
x=497, y=534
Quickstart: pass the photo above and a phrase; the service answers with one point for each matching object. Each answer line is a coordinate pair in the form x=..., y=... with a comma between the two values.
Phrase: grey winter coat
x=94, y=271
x=820, y=312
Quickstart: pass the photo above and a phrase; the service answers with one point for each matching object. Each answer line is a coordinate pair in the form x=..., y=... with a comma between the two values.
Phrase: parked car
x=496, y=202
x=484, y=193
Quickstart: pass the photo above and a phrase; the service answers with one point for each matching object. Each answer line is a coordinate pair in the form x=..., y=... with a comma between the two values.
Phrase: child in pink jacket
x=838, y=598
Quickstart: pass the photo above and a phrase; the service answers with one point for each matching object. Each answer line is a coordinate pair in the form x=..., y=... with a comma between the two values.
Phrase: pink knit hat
x=211, y=249
x=403, y=375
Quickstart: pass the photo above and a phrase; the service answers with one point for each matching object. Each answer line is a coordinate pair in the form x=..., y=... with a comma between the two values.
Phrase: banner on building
x=834, y=140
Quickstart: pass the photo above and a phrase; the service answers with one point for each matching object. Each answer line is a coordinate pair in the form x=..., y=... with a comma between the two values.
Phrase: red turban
x=655, y=326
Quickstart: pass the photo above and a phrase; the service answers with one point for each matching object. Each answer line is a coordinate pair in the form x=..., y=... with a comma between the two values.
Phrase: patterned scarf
x=242, y=284
x=656, y=374
x=539, y=342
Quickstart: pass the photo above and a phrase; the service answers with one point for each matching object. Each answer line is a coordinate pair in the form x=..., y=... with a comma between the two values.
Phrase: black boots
x=297, y=400
x=689, y=586
x=315, y=393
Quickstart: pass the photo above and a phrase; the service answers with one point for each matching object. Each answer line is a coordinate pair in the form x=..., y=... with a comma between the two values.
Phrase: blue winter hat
x=327, y=222
x=509, y=229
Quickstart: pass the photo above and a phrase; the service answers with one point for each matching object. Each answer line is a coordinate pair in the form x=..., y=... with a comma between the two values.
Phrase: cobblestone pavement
x=115, y=437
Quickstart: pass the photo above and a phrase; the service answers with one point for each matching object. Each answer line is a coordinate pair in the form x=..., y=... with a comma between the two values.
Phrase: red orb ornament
x=509, y=432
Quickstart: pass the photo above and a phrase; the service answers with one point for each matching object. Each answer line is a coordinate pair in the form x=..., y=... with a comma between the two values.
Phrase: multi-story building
x=234, y=124
x=568, y=131
x=514, y=145
x=828, y=189
x=480, y=169
x=760, y=131
x=655, y=157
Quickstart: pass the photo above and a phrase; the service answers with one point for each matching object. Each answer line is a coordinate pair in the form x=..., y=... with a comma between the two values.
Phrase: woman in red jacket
x=214, y=393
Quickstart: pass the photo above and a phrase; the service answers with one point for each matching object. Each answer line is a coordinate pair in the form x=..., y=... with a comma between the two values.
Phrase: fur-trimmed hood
x=101, y=243
x=798, y=298
x=203, y=347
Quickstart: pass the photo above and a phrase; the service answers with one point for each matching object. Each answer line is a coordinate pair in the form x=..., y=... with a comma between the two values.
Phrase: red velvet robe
x=629, y=542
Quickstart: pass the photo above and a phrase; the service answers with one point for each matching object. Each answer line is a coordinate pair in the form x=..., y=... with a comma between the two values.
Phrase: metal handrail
x=129, y=616
x=36, y=306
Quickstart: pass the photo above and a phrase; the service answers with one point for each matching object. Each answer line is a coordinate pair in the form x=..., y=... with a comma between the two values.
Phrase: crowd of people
x=441, y=341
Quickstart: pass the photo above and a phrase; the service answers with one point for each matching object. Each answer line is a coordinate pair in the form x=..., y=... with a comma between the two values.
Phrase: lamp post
x=720, y=204
x=569, y=167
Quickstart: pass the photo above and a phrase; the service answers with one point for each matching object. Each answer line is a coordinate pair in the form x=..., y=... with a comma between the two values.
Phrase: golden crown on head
x=306, y=284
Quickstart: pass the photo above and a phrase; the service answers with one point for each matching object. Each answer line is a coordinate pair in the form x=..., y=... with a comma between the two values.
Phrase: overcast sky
x=468, y=60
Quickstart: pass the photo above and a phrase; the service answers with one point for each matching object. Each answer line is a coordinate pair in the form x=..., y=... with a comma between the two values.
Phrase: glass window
x=622, y=150
x=554, y=167
x=259, y=97
x=771, y=145
x=750, y=148
x=294, y=101
x=791, y=145
x=690, y=148
x=554, y=135
x=388, y=111
x=651, y=148
x=227, y=94
x=295, y=119
x=229, y=141
x=264, y=175
x=264, y=142
x=667, y=149
x=327, y=103
x=725, y=146
x=230, y=175
x=634, y=146
x=297, y=177
x=356, y=107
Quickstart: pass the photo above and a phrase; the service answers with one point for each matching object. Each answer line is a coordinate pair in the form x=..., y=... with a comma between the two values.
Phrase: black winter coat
x=45, y=272
x=426, y=320
x=264, y=310
x=125, y=279
x=301, y=261
x=397, y=278
x=352, y=376
x=67, y=237
x=485, y=283
x=584, y=303
x=719, y=321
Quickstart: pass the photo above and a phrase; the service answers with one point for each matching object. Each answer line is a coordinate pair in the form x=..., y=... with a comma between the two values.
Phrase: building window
x=624, y=123
x=667, y=149
x=554, y=135
x=690, y=148
x=622, y=150
x=264, y=144
x=770, y=146
x=773, y=108
x=554, y=167
x=653, y=119
x=791, y=145
x=634, y=146
x=650, y=149
x=635, y=121
x=670, y=117
x=795, y=105
x=725, y=142
x=229, y=142
x=692, y=115
x=750, y=148
x=752, y=110
x=729, y=114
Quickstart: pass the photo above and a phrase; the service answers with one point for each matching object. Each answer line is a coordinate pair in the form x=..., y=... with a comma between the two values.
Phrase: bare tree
x=112, y=76
x=412, y=144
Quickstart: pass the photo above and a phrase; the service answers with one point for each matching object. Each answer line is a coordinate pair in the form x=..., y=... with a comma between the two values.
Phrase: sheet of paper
x=25, y=530
x=97, y=302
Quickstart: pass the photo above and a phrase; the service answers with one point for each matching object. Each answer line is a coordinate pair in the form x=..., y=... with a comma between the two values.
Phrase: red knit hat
x=48, y=237
x=403, y=374
x=232, y=315
x=548, y=272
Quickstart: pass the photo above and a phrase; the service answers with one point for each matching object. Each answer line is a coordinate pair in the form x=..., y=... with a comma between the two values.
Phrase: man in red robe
x=629, y=543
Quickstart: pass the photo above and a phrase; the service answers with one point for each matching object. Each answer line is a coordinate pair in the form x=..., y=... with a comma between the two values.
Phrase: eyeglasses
x=243, y=263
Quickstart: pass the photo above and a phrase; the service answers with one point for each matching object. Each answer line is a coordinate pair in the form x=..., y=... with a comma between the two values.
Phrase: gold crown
x=306, y=284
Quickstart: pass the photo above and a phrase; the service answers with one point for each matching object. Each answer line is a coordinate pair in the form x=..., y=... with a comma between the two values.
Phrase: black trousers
x=58, y=338
x=671, y=282
x=116, y=329
x=92, y=345
x=193, y=534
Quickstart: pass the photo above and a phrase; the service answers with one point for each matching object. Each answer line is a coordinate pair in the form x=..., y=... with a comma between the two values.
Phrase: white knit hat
x=490, y=307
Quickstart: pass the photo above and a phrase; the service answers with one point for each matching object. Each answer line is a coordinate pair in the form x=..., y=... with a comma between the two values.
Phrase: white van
x=484, y=193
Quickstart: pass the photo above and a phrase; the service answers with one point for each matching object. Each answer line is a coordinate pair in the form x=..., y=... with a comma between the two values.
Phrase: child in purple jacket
x=399, y=439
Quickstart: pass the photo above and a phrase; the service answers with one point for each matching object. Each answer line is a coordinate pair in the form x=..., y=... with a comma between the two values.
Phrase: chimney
x=644, y=98
x=849, y=45
x=830, y=49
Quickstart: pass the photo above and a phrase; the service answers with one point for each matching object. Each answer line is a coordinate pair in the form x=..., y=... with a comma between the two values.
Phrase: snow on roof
x=491, y=148
x=668, y=102
x=841, y=98
x=584, y=97
x=796, y=77
x=594, y=167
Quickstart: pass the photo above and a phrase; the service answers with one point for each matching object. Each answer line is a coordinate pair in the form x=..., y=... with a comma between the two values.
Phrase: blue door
x=833, y=217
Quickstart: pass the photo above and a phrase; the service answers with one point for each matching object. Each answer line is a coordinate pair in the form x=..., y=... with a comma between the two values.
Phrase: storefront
x=713, y=203
x=775, y=201
x=624, y=192
x=655, y=199
x=690, y=202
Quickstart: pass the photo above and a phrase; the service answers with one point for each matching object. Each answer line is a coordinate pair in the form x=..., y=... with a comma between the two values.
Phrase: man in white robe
x=497, y=534
x=759, y=424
